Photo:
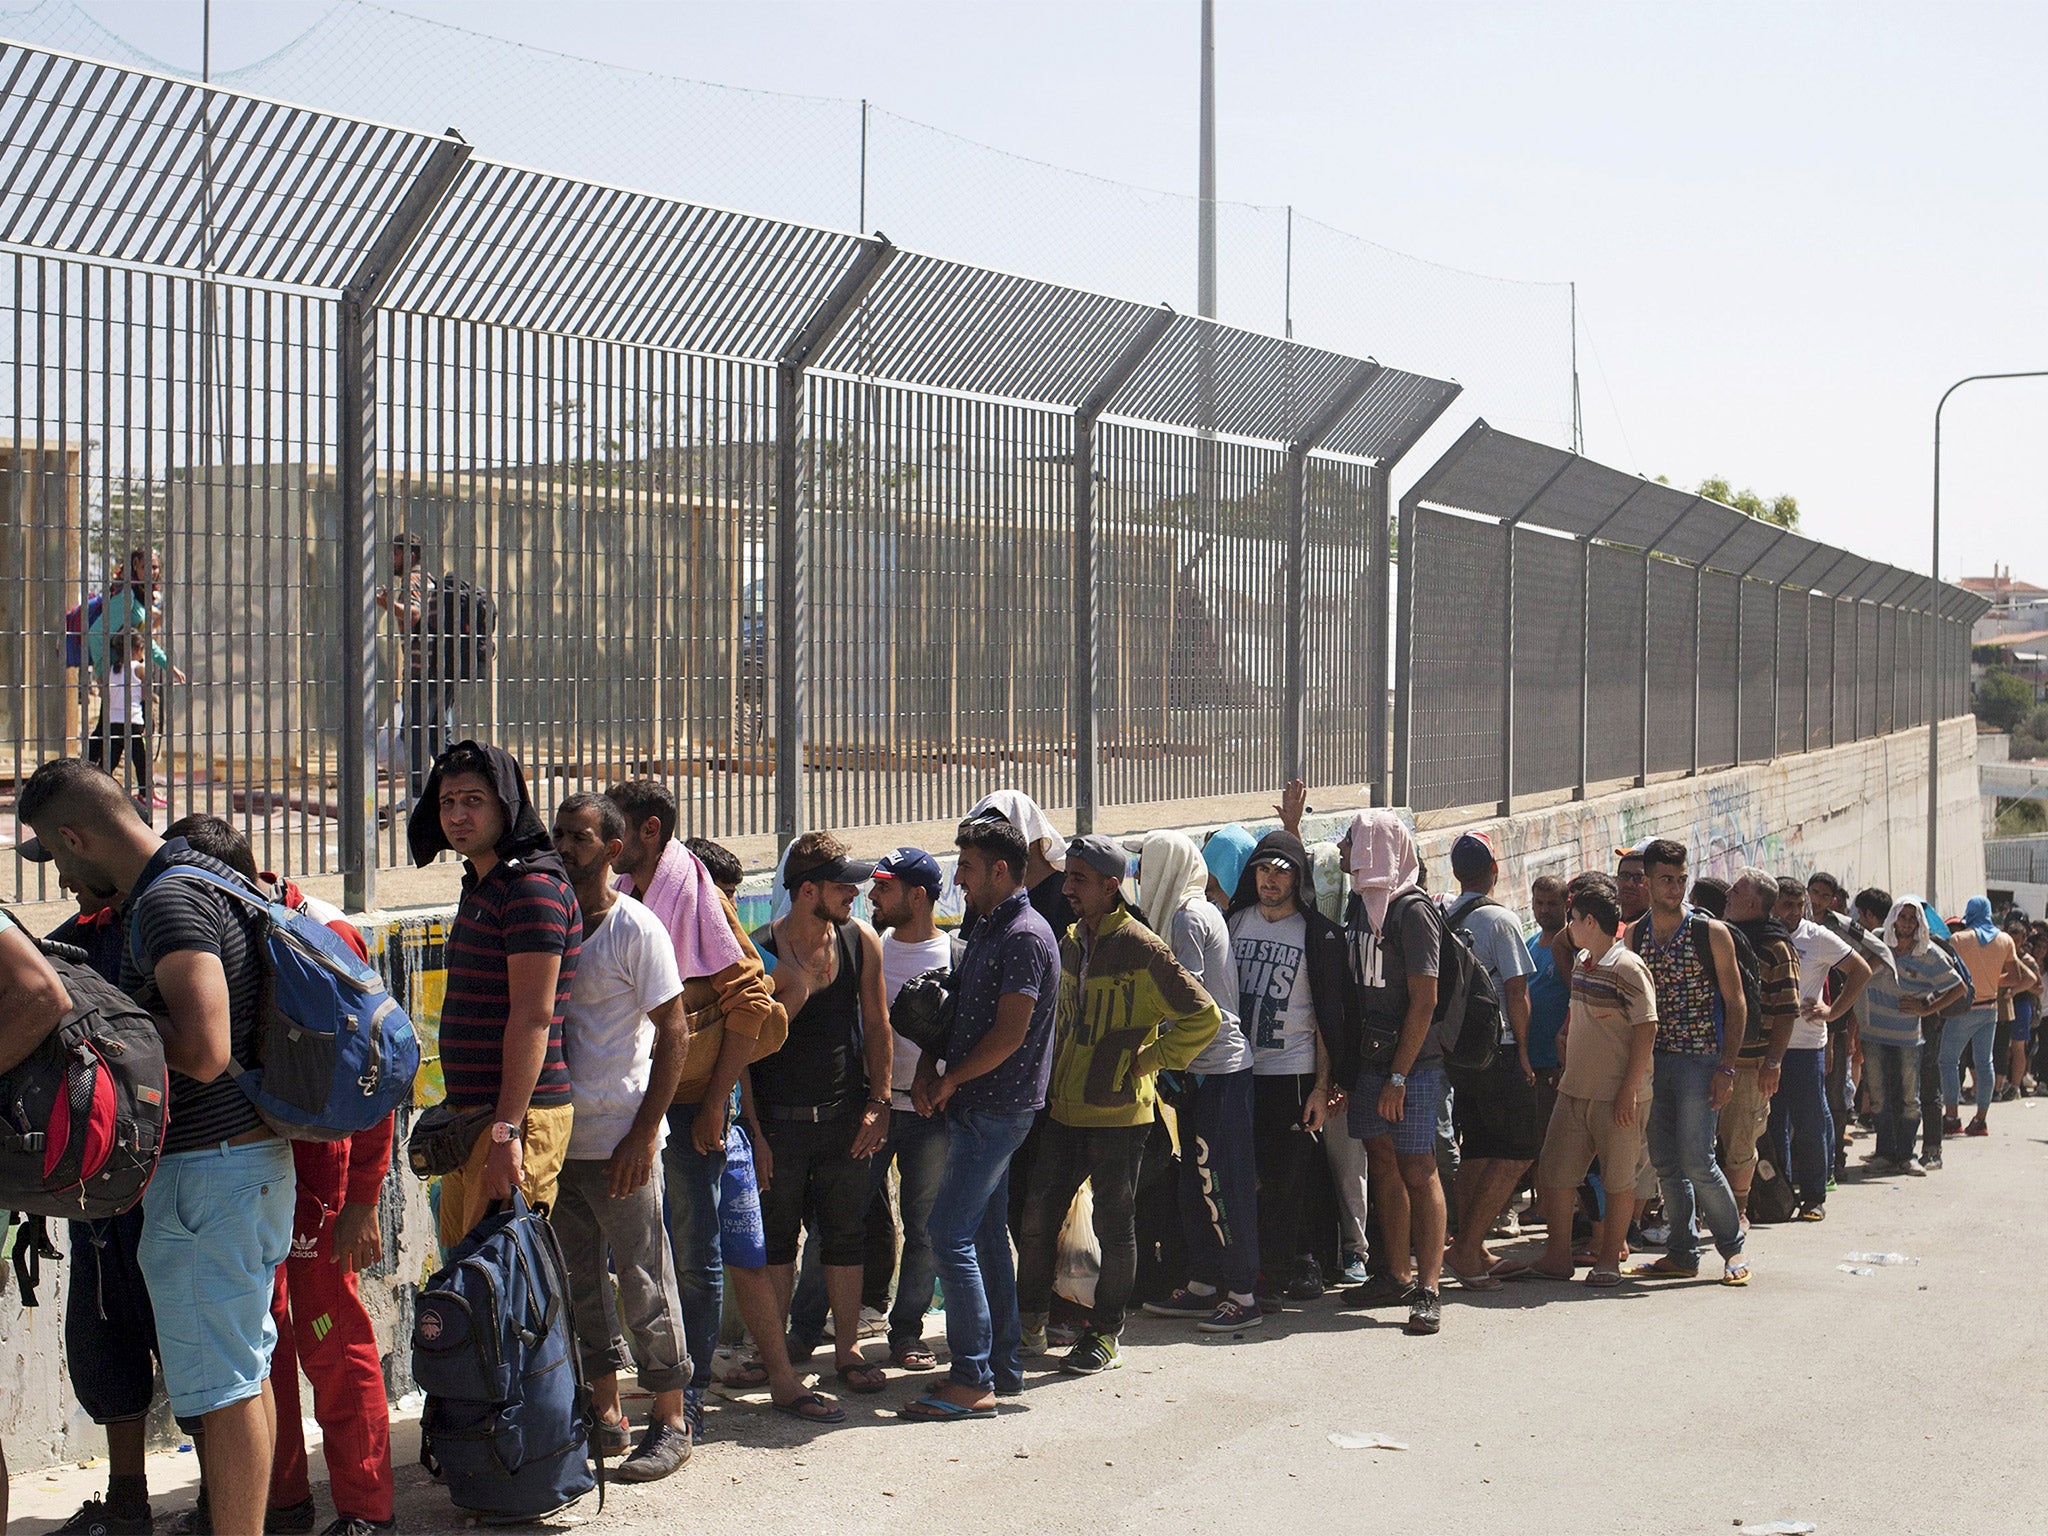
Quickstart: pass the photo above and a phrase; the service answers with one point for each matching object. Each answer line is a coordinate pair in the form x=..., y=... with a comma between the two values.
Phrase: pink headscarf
x=1383, y=861
x=687, y=901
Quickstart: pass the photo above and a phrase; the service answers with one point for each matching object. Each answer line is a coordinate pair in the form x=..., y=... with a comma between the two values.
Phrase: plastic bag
x=1369, y=1440
x=1878, y=1258
x=1079, y=1262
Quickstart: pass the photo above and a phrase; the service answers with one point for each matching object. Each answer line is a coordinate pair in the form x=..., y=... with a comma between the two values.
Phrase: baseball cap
x=1627, y=853
x=1472, y=854
x=1100, y=854
x=32, y=849
x=839, y=871
x=913, y=866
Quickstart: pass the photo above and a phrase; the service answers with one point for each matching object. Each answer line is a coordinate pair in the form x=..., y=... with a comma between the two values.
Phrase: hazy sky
x=1791, y=226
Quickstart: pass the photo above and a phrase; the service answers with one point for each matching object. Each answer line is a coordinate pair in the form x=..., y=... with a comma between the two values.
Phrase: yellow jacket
x=1127, y=1012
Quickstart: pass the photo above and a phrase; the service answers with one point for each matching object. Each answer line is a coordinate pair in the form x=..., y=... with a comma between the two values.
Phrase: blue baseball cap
x=913, y=866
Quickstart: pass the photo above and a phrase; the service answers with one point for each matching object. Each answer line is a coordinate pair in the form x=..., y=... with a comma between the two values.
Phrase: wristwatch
x=504, y=1131
x=1397, y=1079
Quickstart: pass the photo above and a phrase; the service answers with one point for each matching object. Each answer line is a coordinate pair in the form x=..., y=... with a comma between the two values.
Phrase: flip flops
x=1664, y=1269
x=931, y=1409
x=1736, y=1272
x=1485, y=1280
x=859, y=1376
x=1603, y=1279
x=799, y=1408
x=915, y=1358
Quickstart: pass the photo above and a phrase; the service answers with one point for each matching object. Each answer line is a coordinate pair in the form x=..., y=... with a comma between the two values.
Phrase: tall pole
x=1578, y=417
x=1208, y=509
x=1934, y=589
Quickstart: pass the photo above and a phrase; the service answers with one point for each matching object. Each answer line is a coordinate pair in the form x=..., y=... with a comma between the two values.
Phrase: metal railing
x=2021, y=859
x=1564, y=625
x=821, y=531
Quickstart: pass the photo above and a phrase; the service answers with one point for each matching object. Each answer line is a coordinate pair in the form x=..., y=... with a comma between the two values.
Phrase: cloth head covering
x=1279, y=846
x=1170, y=875
x=779, y=901
x=526, y=841
x=1922, y=943
x=1226, y=852
x=1977, y=918
x=1022, y=812
x=1383, y=861
x=686, y=899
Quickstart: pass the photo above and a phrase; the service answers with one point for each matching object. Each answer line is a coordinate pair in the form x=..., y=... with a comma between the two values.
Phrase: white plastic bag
x=1079, y=1262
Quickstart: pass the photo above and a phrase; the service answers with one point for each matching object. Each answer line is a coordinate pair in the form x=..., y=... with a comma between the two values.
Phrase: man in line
x=1496, y=1109
x=823, y=1099
x=1218, y=1173
x=1631, y=884
x=322, y=1324
x=1761, y=1064
x=990, y=1090
x=1604, y=1095
x=1128, y=1011
x=1994, y=966
x=1801, y=1132
x=625, y=1041
x=217, y=1220
x=1701, y=1017
x=1827, y=900
x=1391, y=1057
x=511, y=961
x=907, y=886
x=707, y=1165
x=1900, y=999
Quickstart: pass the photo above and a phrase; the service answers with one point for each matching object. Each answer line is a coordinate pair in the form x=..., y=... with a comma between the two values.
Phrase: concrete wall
x=1858, y=811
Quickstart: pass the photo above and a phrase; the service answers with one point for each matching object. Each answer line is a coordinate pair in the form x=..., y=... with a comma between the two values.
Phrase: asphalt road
x=1909, y=1400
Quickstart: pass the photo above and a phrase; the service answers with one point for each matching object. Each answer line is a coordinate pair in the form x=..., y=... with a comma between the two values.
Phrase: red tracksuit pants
x=321, y=1325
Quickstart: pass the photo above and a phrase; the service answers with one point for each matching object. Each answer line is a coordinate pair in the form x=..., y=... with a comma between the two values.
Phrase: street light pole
x=1934, y=588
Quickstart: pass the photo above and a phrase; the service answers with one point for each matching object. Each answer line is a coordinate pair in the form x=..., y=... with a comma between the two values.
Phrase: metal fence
x=2022, y=860
x=1563, y=625
x=822, y=531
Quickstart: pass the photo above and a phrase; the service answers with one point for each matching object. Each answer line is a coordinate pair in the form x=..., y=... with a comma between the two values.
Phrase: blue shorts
x=2022, y=1020
x=742, y=1239
x=1415, y=1132
x=216, y=1224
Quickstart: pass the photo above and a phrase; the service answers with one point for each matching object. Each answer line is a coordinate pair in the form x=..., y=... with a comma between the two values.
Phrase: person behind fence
x=1293, y=989
x=1832, y=976
x=132, y=614
x=1128, y=1011
x=1701, y=1019
x=428, y=702
x=824, y=1098
x=123, y=731
x=217, y=1220
x=990, y=1088
x=1499, y=1133
x=1603, y=1096
x=511, y=962
x=1219, y=1178
x=625, y=1042
x=906, y=887
x=1899, y=1000
x=714, y=1205
x=322, y=1325
x=1390, y=1053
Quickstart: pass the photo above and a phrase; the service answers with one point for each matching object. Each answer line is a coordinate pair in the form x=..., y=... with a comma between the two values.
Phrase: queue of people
x=712, y=1115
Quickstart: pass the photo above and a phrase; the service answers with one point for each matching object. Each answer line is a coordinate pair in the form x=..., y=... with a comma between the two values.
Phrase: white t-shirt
x=127, y=695
x=627, y=967
x=1273, y=997
x=1819, y=952
x=900, y=962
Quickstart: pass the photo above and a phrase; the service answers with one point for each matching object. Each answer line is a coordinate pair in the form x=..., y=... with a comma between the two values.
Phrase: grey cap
x=1100, y=854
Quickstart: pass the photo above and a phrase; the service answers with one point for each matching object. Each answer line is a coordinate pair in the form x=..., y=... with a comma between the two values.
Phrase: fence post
x=356, y=475
x=793, y=526
x=1777, y=671
x=1084, y=596
x=1699, y=589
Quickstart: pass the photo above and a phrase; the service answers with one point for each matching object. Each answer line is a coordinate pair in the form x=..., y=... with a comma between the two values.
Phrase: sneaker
x=1308, y=1284
x=356, y=1525
x=1657, y=1237
x=2006, y=1094
x=1976, y=1128
x=1911, y=1169
x=1034, y=1341
x=693, y=1412
x=1183, y=1303
x=1832, y=1185
x=290, y=1519
x=1931, y=1164
x=96, y=1518
x=662, y=1450
x=1951, y=1125
x=874, y=1322
x=1811, y=1213
x=1380, y=1291
x=1507, y=1228
x=609, y=1438
x=1354, y=1271
x=1425, y=1312
x=801, y=1347
x=1063, y=1335
x=1093, y=1353
x=1872, y=1163
x=1231, y=1317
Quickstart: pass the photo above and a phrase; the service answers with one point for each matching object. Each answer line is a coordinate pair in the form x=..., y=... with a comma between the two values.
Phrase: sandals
x=1666, y=1269
x=1506, y=1269
x=1603, y=1279
x=1736, y=1272
x=827, y=1411
x=859, y=1376
x=914, y=1357
x=751, y=1373
x=933, y=1409
x=1485, y=1280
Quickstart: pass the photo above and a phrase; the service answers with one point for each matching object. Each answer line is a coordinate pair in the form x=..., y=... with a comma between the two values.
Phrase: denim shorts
x=1415, y=1132
x=216, y=1224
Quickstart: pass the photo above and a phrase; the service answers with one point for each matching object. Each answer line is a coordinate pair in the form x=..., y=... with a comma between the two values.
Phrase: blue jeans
x=918, y=1146
x=1219, y=1180
x=693, y=1189
x=1681, y=1133
x=1970, y=1032
x=1802, y=1132
x=969, y=1227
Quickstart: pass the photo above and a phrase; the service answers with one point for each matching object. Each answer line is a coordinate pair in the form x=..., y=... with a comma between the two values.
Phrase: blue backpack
x=338, y=1054
x=507, y=1420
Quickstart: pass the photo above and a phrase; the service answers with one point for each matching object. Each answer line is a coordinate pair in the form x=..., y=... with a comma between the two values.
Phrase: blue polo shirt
x=1550, y=1001
x=1012, y=950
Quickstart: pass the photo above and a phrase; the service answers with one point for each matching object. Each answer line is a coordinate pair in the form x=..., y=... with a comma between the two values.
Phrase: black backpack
x=1467, y=1018
x=466, y=631
x=82, y=1117
x=1746, y=962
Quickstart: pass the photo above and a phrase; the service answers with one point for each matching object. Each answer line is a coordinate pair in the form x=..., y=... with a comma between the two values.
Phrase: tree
x=1780, y=511
x=2004, y=699
x=2030, y=736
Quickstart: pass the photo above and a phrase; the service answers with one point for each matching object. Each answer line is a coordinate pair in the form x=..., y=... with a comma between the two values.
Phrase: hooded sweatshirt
x=1128, y=1011
x=1173, y=883
x=523, y=905
x=1922, y=969
x=1268, y=973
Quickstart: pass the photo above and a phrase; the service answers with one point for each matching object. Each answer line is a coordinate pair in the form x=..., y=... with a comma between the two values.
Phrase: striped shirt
x=1928, y=974
x=513, y=910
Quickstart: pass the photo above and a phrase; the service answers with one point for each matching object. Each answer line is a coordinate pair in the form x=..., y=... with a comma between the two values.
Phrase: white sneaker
x=873, y=1324
x=1509, y=1226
